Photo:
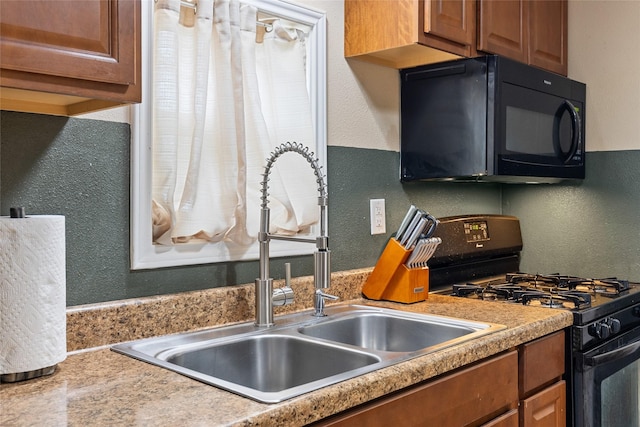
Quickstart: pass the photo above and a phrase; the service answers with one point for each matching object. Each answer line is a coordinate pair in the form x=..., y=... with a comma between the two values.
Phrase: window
x=146, y=254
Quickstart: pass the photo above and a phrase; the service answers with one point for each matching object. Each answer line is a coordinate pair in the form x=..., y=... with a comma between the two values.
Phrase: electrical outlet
x=377, y=215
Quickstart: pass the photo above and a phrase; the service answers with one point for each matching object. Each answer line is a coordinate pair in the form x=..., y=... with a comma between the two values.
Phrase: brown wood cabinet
x=480, y=394
x=502, y=28
x=67, y=56
x=510, y=419
x=533, y=32
x=406, y=33
x=541, y=365
x=518, y=388
x=546, y=408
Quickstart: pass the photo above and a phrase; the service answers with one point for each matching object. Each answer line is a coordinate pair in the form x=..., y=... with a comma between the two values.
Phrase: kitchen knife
x=430, y=226
x=415, y=233
x=412, y=225
x=416, y=254
x=433, y=245
x=405, y=222
x=423, y=251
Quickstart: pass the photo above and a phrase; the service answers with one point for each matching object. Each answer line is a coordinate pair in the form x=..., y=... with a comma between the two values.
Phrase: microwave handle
x=576, y=128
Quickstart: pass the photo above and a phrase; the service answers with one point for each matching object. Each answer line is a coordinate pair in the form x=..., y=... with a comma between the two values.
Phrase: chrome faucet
x=266, y=297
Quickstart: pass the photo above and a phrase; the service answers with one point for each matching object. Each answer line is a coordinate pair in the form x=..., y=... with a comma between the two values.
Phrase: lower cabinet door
x=545, y=409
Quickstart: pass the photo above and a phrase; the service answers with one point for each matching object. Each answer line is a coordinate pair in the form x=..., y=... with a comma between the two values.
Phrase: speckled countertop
x=99, y=387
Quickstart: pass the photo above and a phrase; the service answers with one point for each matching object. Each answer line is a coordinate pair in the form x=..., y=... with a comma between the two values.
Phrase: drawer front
x=541, y=362
x=510, y=419
x=471, y=396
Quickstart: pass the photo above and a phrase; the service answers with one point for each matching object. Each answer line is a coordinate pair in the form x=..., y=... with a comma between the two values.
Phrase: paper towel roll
x=32, y=293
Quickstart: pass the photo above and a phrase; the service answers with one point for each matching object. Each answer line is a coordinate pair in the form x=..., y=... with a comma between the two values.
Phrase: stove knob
x=614, y=325
x=600, y=330
x=605, y=331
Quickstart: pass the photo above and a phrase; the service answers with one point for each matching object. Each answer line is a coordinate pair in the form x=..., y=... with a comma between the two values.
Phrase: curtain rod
x=194, y=6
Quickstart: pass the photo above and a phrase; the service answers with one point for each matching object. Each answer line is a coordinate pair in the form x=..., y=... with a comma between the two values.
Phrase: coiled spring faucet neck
x=308, y=156
x=322, y=268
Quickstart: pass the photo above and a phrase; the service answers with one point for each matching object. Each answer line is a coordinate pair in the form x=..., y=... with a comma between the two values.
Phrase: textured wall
x=590, y=229
x=357, y=175
x=80, y=169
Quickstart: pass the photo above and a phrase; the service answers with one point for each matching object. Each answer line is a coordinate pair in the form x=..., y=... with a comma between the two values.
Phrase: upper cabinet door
x=502, y=28
x=533, y=32
x=85, y=50
x=406, y=33
x=453, y=20
x=88, y=40
x=548, y=35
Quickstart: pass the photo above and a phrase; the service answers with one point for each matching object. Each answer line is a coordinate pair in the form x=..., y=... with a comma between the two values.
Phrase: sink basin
x=270, y=363
x=391, y=332
x=303, y=353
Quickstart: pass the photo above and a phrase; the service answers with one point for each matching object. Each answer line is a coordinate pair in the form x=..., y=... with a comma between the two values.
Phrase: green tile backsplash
x=80, y=168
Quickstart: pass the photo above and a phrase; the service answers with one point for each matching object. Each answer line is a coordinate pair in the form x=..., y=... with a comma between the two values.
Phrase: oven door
x=606, y=388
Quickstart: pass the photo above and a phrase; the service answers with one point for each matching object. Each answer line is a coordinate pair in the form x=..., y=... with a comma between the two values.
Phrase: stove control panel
x=604, y=328
x=610, y=326
x=476, y=231
x=466, y=238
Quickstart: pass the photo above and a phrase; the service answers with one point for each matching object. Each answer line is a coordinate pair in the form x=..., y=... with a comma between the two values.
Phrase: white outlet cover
x=378, y=216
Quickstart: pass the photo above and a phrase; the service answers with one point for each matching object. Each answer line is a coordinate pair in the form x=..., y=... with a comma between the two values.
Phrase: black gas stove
x=600, y=305
x=587, y=298
x=480, y=258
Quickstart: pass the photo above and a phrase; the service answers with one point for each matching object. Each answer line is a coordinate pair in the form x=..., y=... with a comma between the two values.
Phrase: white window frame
x=146, y=255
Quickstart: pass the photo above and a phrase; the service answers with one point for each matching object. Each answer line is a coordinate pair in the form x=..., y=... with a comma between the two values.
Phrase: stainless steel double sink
x=303, y=353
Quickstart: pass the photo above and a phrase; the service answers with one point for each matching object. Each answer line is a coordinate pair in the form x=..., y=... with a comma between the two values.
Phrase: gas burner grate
x=533, y=280
x=609, y=287
x=546, y=290
x=466, y=290
x=559, y=299
x=489, y=293
x=495, y=291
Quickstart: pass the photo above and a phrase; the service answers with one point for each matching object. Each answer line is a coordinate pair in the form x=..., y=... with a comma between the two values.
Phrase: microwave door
x=536, y=130
x=566, y=155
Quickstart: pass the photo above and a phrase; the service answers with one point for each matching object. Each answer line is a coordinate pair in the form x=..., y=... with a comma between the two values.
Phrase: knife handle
x=405, y=221
x=416, y=232
x=410, y=229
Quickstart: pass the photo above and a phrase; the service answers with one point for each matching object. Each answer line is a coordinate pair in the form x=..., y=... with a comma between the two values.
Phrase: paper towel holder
x=23, y=376
x=19, y=212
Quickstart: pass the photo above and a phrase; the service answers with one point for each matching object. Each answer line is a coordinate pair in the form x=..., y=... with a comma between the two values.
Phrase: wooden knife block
x=392, y=280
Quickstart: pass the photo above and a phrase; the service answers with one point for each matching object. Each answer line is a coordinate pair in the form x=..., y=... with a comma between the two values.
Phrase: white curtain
x=223, y=98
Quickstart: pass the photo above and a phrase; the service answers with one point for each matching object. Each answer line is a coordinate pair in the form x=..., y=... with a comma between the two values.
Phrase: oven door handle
x=613, y=355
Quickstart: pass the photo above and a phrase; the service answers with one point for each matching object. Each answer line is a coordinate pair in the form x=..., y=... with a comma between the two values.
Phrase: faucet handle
x=319, y=302
x=284, y=295
x=287, y=274
x=326, y=296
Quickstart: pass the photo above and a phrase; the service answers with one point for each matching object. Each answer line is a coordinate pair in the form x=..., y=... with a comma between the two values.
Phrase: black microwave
x=490, y=119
